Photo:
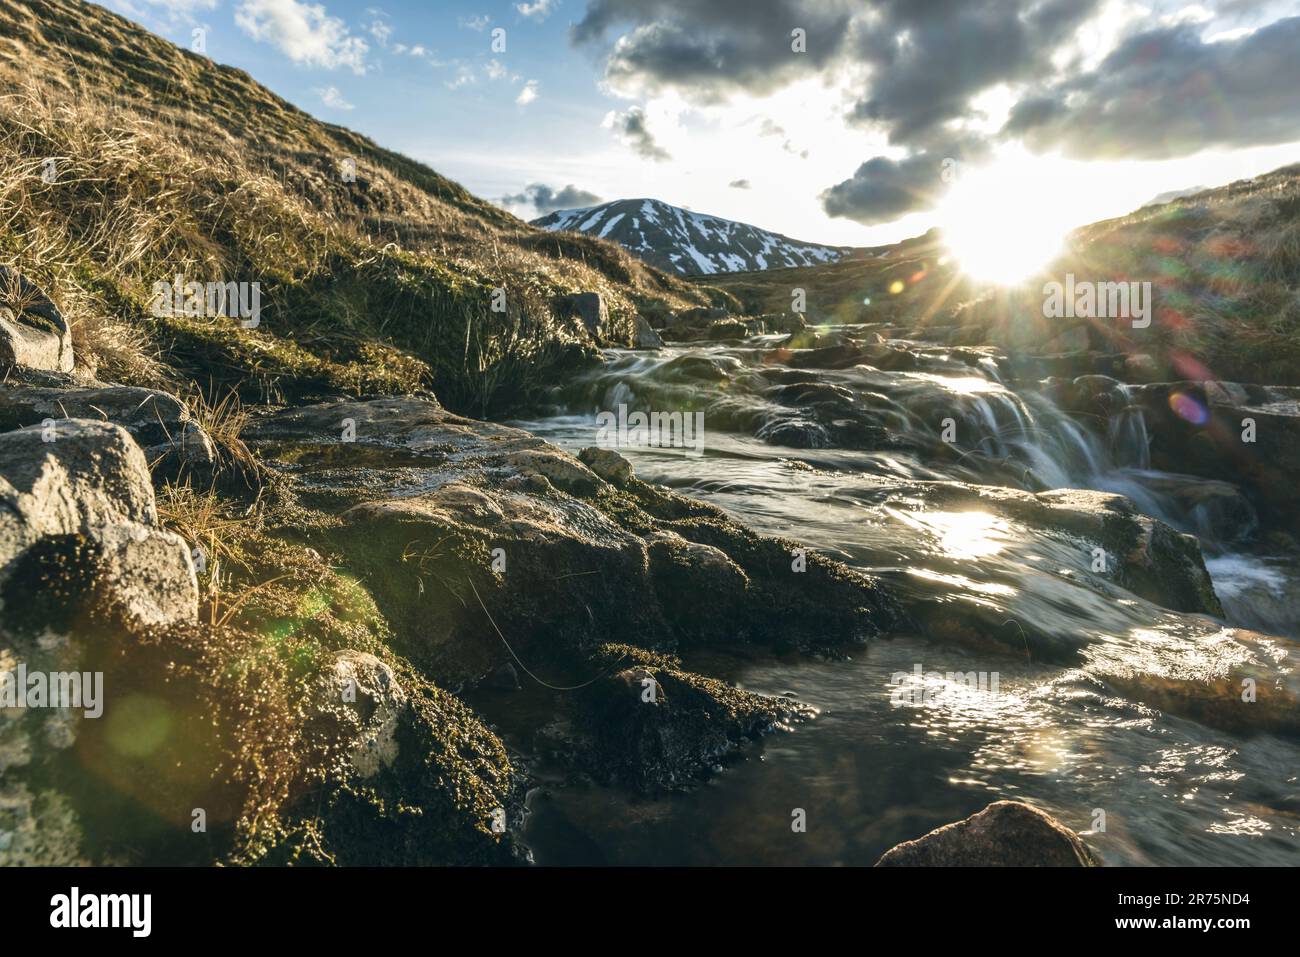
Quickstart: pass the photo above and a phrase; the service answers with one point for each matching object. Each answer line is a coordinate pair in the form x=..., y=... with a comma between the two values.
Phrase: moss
x=657, y=728
x=443, y=802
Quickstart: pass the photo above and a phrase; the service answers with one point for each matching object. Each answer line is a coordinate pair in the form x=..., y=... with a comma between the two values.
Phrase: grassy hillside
x=167, y=163
x=907, y=283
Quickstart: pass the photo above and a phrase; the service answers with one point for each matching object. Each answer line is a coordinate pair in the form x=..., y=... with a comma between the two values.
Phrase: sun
x=1002, y=222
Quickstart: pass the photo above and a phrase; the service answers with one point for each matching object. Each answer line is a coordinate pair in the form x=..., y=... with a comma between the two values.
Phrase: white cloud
x=331, y=97
x=537, y=10
x=381, y=31
x=527, y=94
x=304, y=32
x=474, y=23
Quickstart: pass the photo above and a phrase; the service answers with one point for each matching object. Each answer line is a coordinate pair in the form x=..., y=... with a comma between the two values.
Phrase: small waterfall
x=1126, y=433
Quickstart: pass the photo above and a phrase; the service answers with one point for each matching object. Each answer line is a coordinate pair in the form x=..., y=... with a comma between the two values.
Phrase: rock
x=784, y=322
x=656, y=728
x=561, y=470
x=645, y=336
x=607, y=464
x=173, y=442
x=502, y=678
x=1248, y=435
x=678, y=566
x=437, y=514
x=591, y=309
x=1141, y=367
x=727, y=329
x=367, y=688
x=33, y=333
x=1004, y=834
x=78, y=511
x=1204, y=680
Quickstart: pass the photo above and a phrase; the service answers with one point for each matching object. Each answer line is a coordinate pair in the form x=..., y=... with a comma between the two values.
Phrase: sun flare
x=1003, y=223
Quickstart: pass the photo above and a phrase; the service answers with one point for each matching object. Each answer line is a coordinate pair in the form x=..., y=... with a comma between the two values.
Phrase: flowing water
x=1082, y=721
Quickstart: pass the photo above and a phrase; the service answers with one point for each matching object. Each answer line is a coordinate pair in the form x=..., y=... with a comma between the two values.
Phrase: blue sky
x=1055, y=112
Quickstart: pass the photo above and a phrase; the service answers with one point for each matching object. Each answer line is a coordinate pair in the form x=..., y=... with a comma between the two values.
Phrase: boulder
x=33, y=333
x=77, y=511
x=590, y=308
x=1248, y=435
x=656, y=728
x=1004, y=834
x=646, y=337
x=607, y=464
x=173, y=442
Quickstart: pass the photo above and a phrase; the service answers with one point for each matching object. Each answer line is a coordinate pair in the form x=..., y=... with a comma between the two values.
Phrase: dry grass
x=167, y=163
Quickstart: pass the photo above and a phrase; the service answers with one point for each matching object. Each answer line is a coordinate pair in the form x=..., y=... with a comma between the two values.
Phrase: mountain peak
x=686, y=242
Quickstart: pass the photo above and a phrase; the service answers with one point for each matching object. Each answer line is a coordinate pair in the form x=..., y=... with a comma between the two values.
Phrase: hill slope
x=686, y=242
x=165, y=162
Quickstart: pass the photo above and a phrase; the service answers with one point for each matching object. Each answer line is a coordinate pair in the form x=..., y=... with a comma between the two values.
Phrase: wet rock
x=462, y=558
x=1235, y=679
x=1217, y=511
x=1004, y=834
x=787, y=323
x=1248, y=435
x=656, y=728
x=33, y=333
x=608, y=464
x=727, y=329
x=679, y=567
x=842, y=356
x=502, y=678
x=1154, y=560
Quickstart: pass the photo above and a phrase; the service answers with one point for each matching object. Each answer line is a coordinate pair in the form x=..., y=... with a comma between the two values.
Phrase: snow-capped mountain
x=686, y=242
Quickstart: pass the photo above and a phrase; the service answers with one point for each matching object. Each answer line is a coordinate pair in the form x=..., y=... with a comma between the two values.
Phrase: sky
x=853, y=123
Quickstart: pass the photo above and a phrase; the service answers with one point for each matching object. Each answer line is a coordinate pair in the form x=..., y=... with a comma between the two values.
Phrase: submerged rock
x=1004, y=834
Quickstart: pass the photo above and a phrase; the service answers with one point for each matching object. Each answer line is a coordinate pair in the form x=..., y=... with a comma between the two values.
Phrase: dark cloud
x=883, y=189
x=1166, y=93
x=929, y=58
x=631, y=127
x=546, y=200
x=714, y=48
x=919, y=65
x=739, y=184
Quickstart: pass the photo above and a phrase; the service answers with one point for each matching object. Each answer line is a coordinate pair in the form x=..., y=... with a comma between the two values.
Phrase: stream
x=843, y=456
